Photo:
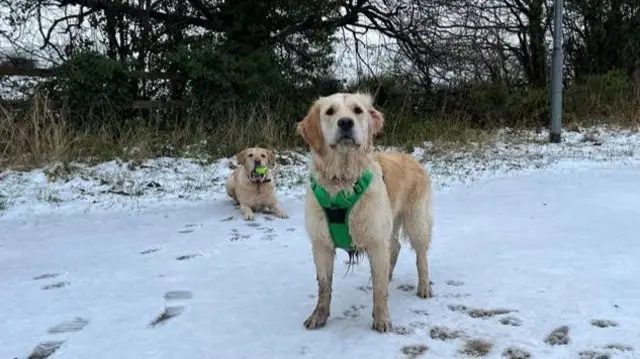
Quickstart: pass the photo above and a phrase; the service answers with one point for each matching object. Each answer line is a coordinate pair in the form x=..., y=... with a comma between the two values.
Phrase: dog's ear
x=310, y=131
x=241, y=156
x=377, y=120
x=271, y=157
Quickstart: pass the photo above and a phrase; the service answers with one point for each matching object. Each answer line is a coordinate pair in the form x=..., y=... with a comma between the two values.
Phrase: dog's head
x=341, y=122
x=254, y=158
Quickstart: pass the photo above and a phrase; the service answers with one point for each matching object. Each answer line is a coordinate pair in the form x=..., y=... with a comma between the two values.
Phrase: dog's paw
x=317, y=319
x=282, y=215
x=425, y=291
x=249, y=217
x=382, y=325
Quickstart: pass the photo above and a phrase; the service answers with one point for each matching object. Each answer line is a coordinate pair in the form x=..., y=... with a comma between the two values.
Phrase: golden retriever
x=339, y=129
x=251, y=190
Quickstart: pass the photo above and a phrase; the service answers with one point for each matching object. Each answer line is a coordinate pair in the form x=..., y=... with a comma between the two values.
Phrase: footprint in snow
x=45, y=349
x=175, y=305
x=603, y=323
x=46, y=276
x=74, y=325
x=149, y=251
x=186, y=256
x=55, y=285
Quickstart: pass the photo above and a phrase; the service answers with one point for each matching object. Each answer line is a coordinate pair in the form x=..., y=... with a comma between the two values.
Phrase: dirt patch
x=414, y=351
x=478, y=313
x=455, y=283
x=476, y=348
x=620, y=347
x=559, y=336
x=45, y=350
x=603, y=323
x=487, y=313
x=512, y=321
x=444, y=333
x=515, y=353
x=590, y=354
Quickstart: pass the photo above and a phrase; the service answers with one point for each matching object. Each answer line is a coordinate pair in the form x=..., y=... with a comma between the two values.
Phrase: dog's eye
x=251, y=155
x=357, y=110
x=330, y=111
x=262, y=155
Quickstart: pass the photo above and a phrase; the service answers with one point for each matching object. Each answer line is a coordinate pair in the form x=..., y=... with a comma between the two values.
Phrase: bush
x=93, y=88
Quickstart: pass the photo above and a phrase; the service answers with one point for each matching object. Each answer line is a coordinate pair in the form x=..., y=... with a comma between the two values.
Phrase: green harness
x=338, y=208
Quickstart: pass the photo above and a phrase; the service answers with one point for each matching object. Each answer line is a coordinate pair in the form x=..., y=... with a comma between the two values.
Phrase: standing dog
x=361, y=198
x=251, y=188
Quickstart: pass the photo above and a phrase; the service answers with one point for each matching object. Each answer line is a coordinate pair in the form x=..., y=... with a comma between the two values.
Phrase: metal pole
x=556, y=74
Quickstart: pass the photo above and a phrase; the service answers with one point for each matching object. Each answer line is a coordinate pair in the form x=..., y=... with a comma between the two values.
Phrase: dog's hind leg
x=394, y=248
x=418, y=224
x=323, y=257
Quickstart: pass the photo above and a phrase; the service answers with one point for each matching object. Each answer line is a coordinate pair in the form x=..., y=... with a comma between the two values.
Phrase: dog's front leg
x=247, y=212
x=380, y=265
x=323, y=256
x=278, y=211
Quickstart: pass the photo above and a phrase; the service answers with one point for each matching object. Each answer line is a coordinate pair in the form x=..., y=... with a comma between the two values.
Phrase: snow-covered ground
x=150, y=260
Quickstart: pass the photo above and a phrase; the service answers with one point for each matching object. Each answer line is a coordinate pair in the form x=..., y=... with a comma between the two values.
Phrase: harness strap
x=338, y=207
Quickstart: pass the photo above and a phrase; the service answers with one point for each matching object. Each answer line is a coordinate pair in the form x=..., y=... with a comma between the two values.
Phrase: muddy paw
x=317, y=319
x=249, y=217
x=381, y=325
x=559, y=336
x=425, y=291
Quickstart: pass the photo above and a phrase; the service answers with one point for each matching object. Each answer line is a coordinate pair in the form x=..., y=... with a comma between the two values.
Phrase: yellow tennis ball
x=261, y=170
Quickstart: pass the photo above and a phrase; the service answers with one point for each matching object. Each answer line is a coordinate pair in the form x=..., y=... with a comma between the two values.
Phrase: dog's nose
x=345, y=123
x=257, y=162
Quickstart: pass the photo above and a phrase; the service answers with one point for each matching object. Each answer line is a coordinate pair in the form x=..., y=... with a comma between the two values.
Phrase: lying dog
x=359, y=200
x=251, y=184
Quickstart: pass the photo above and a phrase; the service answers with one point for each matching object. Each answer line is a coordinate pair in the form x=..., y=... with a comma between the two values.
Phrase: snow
x=545, y=232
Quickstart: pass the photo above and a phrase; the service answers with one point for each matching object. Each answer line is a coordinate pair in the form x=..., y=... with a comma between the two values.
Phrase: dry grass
x=40, y=135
